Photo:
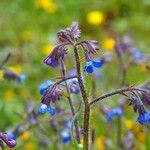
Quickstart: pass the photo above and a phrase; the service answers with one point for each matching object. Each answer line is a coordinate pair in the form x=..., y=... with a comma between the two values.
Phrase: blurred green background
x=28, y=31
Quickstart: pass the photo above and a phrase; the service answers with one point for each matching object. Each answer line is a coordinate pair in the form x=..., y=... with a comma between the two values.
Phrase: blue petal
x=97, y=63
x=42, y=109
x=44, y=86
x=51, y=110
x=89, y=67
x=11, y=136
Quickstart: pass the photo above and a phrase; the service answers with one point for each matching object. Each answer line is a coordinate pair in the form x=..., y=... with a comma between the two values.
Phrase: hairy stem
x=119, y=91
x=70, y=103
x=85, y=100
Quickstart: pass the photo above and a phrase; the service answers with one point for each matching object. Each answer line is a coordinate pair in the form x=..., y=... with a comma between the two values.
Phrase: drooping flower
x=90, y=46
x=56, y=55
x=10, y=75
x=8, y=140
x=43, y=108
x=73, y=86
x=44, y=86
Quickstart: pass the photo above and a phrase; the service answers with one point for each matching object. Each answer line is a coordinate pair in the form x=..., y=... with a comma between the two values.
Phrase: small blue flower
x=137, y=54
x=65, y=136
x=116, y=112
x=89, y=67
x=42, y=109
x=97, y=63
x=44, y=86
x=51, y=110
x=144, y=118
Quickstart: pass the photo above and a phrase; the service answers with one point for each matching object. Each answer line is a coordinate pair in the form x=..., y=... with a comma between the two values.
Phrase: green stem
x=85, y=100
x=70, y=102
x=119, y=131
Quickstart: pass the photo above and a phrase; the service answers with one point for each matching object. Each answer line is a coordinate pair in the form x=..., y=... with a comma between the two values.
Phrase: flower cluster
x=70, y=36
x=50, y=93
x=66, y=37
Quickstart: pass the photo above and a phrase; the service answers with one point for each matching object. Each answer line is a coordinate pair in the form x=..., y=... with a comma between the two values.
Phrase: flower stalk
x=85, y=100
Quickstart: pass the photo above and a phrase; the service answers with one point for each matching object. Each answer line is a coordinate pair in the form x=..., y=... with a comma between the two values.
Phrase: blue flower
x=97, y=63
x=51, y=110
x=44, y=86
x=116, y=112
x=93, y=64
x=42, y=109
x=144, y=118
x=137, y=54
x=89, y=67
x=65, y=136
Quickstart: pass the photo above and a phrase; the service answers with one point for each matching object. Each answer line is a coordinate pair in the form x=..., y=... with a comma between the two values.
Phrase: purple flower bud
x=69, y=35
x=90, y=46
x=57, y=54
x=11, y=143
x=53, y=94
x=73, y=86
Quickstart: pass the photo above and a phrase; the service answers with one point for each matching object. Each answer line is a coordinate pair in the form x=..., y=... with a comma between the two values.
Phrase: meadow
x=74, y=74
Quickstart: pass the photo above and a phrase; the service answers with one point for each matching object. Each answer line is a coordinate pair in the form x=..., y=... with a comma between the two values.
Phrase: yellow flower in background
x=15, y=68
x=95, y=17
x=9, y=95
x=1, y=74
x=129, y=124
x=109, y=44
x=47, y=49
x=30, y=146
x=143, y=68
x=47, y=5
x=25, y=135
x=141, y=137
x=100, y=142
